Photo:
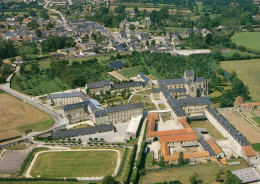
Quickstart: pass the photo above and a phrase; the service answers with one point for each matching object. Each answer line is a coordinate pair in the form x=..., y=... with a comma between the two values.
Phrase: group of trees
x=7, y=50
x=215, y=39
x=53, y=43
x=238, y=89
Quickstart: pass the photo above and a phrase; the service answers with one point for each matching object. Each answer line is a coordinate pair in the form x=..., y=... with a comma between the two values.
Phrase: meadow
x=248, y=72
x=250, y=40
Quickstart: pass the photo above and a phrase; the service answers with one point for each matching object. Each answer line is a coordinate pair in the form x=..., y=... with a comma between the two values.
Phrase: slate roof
x=127, y=85
x=189, y=72
x=206, y=147
x=200, y=79
x=116, y=64
x=84, y=131
x=177, y=90
x=171, y=81
x=195, y=101
x=125, y=107
x=226, y=125
x=68, y=95
x=100, y=84
x=76, y=106
x=101, y=113
x=247, y=175
x=176, y=107
x=143, y=76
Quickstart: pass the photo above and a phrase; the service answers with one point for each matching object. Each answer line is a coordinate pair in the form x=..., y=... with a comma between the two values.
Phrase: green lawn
x=229, y=54
x=131, y=72
x=206, y=124
x=38, y=85
x=75, y=164
x=37, y=126
x=250, y=40
x=207, y=173
x=248, y=72
x=256, y=119
x=256, y=146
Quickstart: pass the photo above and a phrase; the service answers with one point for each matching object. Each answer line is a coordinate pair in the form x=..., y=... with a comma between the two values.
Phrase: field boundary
x=119, y=160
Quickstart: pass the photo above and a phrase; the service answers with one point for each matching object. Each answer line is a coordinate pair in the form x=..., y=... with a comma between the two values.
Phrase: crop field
x=248, y=72
x=250, y=40
x=242, y=125
x=206, y=124
x=17, y=117
x=75, y=164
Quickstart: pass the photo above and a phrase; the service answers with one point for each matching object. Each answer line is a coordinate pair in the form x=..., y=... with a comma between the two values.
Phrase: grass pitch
x=16, y=117
x=248, y=72
x=75, y=164
x=250, y=40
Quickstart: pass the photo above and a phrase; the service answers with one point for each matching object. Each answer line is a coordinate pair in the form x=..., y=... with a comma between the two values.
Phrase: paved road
x=57, y=118
x=141, y=138
x=65, y=24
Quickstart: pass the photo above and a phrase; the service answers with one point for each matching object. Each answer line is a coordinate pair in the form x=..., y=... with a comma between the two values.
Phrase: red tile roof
x=249, y=151
x=250, y=104
x=179, y=138
x=214, y=146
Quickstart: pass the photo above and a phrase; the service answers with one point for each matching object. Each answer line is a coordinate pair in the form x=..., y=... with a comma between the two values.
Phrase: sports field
x=250, y=40
x=75, y=164
x=248, y=72
x=16, y=117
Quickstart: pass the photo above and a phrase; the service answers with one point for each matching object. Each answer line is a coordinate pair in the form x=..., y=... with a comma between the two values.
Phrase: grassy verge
x=37, y=126
x=256, y=119
x=27, y=161
x=256, y=146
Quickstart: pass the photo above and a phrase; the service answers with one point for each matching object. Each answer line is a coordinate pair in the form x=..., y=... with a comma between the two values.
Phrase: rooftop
x=100, y=84
x=247, y=175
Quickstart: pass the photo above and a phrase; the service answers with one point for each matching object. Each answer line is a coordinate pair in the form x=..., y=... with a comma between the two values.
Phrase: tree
x=136, y=10
x=180, y=159
x=147, y=43
x=38, y=33
x=232, y=179
x=109, y=180
x=194, y=179
x=33, y=24
x=153, y=43
x=132, y=27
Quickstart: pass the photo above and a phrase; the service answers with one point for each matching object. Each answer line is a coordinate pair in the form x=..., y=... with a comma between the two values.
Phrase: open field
x=229, y=54
x=248, y=72
x=242, y=125
x=206, y=124
x=17, y=117
x=207, y=173
x=250, y=40
x=75, y=164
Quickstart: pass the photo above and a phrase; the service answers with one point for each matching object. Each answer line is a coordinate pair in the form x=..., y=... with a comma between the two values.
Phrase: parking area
x=11, y=161
x=118, y=136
